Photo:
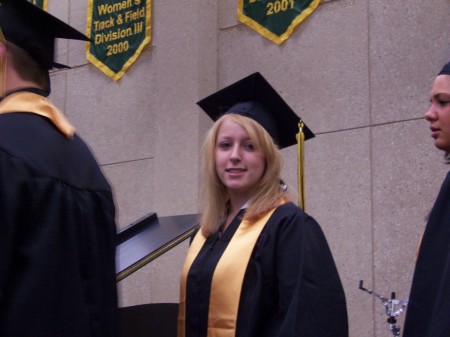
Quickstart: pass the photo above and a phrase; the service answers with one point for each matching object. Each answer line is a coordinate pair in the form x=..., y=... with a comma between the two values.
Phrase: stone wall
x=357, y=71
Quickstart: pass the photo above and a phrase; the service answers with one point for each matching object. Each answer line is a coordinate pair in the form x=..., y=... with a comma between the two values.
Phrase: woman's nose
x=431, y=113
x=235, y=152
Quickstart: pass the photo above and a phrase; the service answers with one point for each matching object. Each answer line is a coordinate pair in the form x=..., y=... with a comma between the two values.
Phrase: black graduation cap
x=34, y=30
x=255, y=98
x=445, y=70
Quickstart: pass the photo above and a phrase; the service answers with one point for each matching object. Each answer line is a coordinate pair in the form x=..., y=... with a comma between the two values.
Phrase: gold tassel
x=2, y=67
x=301, y=166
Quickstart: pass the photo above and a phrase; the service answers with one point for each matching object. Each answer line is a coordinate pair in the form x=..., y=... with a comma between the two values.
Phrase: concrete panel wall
x=145, y=128
x=357, y=71
x=359, y=74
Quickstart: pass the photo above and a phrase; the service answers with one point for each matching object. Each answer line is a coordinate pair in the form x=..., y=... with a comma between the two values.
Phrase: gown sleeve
x=428, y=311
x=296, y=289
x=312, y=300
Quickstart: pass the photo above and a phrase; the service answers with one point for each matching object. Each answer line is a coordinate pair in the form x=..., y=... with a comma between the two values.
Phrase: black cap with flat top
x=255, y=98
x=34, y=30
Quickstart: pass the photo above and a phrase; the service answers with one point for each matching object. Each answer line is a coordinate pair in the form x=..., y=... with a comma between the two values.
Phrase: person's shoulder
x=290, y=209
x=445, y=186
x=447, y=177
x=290, y=221
x=291, y=213
x=48, y=153
x=288, y=212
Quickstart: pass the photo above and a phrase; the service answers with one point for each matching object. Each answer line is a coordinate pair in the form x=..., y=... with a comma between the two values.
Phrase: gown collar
x=34, y=102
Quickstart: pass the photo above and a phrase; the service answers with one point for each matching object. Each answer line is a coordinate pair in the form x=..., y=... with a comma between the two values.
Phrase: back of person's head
x=33, y=30
x=26, y=67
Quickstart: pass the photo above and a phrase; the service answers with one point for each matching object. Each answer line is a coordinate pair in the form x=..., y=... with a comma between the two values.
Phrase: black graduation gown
x=428, y=312
x=57, y=234
x=291, y=286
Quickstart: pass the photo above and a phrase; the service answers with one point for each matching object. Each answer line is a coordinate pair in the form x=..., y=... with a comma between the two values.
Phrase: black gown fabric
x=291, y=286
x=57, y=234
x=428, y=312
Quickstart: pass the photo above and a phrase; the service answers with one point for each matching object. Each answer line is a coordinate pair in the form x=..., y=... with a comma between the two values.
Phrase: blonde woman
x=259, y=266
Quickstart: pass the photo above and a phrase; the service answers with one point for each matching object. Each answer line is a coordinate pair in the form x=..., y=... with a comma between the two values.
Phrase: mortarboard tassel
x=301, y=166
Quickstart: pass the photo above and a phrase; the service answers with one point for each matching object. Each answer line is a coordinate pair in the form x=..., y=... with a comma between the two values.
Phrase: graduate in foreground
x=259, y=266
x=57, y=215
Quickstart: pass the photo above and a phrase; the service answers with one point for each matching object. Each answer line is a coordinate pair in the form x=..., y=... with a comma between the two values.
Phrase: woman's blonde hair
x=214, y=195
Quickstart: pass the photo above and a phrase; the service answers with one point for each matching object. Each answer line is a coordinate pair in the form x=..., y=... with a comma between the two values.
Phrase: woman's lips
x=434, y=132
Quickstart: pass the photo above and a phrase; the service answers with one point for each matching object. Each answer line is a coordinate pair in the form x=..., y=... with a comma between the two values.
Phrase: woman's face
x=239, y=164
x=439, y=112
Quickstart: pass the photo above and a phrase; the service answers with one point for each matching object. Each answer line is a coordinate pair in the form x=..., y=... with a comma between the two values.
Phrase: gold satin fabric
x=227, y=279
x=37, y=104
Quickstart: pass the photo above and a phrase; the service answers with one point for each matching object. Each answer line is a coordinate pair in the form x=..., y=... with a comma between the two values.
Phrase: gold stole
x=227, y=279
x=37, y=104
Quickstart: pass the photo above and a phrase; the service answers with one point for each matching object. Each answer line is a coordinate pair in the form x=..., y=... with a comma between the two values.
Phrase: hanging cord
x=301, y=166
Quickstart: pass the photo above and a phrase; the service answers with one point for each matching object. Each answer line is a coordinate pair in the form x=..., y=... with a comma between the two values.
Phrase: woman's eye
x=224, y=145
x=249, y=147
x=441, y=100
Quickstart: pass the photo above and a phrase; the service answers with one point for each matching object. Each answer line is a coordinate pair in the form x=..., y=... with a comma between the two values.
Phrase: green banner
x=119, y=31
x=275, y=19
x=42, y=4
